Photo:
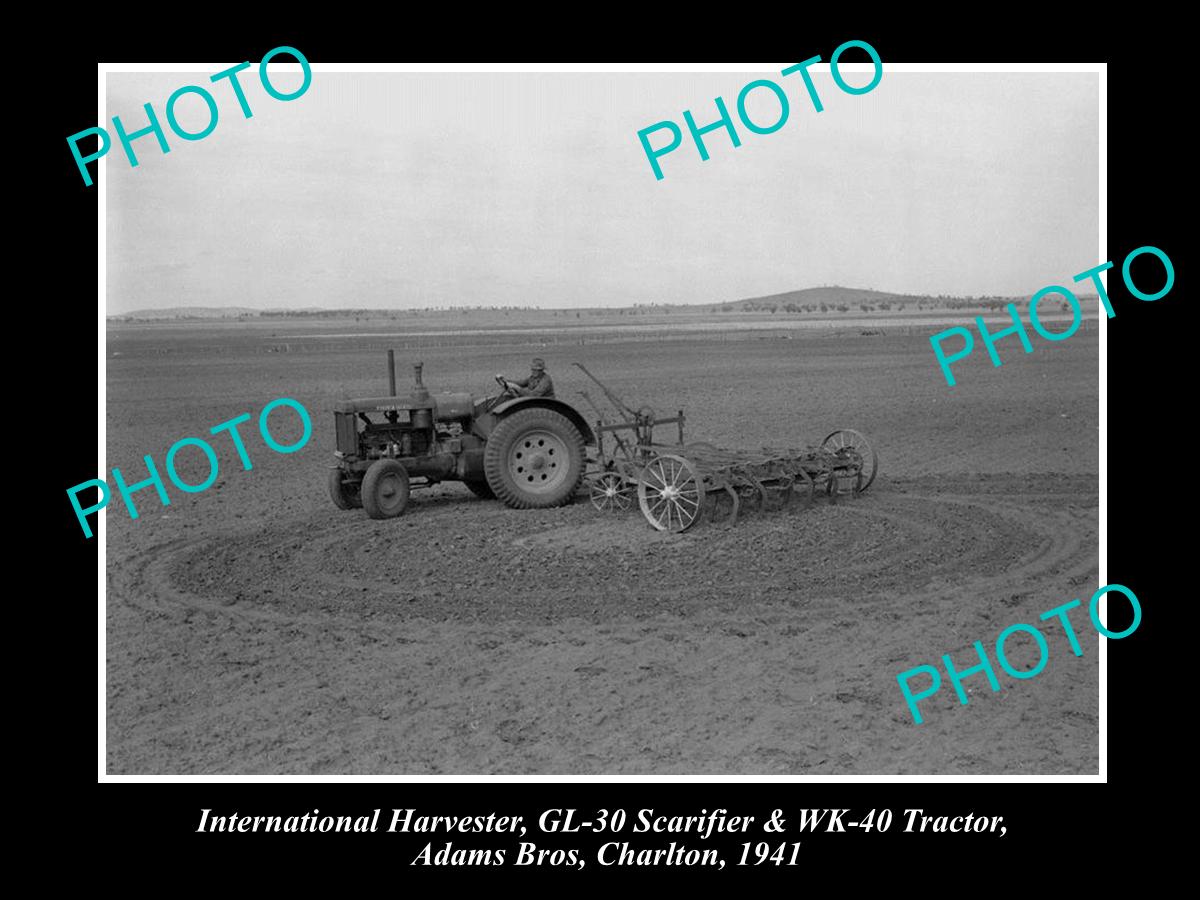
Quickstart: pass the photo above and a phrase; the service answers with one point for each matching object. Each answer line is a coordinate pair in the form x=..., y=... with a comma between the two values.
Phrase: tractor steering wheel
x=507, y=388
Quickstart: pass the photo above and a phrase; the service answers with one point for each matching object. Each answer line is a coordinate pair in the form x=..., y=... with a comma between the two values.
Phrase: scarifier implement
x=676, y=485
x=527, y=451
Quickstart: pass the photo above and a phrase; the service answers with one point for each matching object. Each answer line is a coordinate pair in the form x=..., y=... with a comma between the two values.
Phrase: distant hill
x=830, y=296
x=844, y=299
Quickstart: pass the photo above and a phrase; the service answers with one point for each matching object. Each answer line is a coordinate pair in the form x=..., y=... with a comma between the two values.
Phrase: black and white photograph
x=585, y=420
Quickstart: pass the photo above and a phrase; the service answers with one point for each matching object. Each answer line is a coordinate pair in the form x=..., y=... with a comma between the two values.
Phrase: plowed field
x=255, y=628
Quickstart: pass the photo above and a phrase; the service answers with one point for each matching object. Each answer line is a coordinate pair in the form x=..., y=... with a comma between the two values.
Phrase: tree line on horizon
x=865, y=303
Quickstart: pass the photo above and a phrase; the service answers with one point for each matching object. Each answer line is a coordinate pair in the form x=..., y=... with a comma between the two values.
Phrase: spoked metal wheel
x=852, y=446
x=670, y=493
x=610, y=493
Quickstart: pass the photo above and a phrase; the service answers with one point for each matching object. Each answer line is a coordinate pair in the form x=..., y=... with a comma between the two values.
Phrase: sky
x=401, y=190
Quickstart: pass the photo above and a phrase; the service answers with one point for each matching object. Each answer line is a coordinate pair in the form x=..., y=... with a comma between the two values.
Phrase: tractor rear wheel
x=534, y=459
x=385, y=489
x=344, y=494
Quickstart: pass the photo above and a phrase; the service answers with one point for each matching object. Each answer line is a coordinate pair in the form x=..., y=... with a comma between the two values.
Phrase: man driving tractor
x=538, y=384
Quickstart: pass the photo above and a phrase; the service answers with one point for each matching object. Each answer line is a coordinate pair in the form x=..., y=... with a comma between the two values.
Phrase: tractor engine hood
x=447, y=406
x=453, y=406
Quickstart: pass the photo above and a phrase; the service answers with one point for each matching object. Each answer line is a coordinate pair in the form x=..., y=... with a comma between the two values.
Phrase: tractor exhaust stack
x=392, y=373
x=420, y=392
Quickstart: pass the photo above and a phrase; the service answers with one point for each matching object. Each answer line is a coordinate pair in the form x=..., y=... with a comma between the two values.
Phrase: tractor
x=526, y=451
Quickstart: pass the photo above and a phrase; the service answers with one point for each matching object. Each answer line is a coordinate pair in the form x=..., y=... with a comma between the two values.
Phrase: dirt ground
x=255, y=628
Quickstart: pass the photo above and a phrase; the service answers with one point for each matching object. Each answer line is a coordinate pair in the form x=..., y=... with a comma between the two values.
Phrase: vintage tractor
x=527, y=451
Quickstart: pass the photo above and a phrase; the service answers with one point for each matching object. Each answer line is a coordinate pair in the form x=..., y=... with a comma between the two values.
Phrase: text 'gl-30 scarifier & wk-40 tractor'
x=526, y=451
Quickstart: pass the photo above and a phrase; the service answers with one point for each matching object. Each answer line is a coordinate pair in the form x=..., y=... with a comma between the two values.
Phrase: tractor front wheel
x=345, y=494
x=385, y=489
x=534, y=459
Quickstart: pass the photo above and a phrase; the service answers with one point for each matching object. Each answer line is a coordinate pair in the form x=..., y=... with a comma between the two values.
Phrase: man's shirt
x=536, y=385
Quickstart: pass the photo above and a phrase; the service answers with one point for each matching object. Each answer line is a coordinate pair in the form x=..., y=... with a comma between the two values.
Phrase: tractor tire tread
x=370, y=487
x=343, y=496
x=495, y=457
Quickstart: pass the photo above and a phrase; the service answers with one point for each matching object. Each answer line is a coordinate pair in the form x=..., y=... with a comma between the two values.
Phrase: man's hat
x=539, y=364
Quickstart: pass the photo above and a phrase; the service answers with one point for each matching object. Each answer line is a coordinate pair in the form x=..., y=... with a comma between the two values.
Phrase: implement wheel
x=670, y=493
x=385, y=489
x=610, y=493
x=849, y=444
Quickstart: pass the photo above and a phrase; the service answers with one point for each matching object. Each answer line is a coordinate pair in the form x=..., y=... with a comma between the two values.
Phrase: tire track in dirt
x=582, y=643
x=347, y=572
x=466, y=638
